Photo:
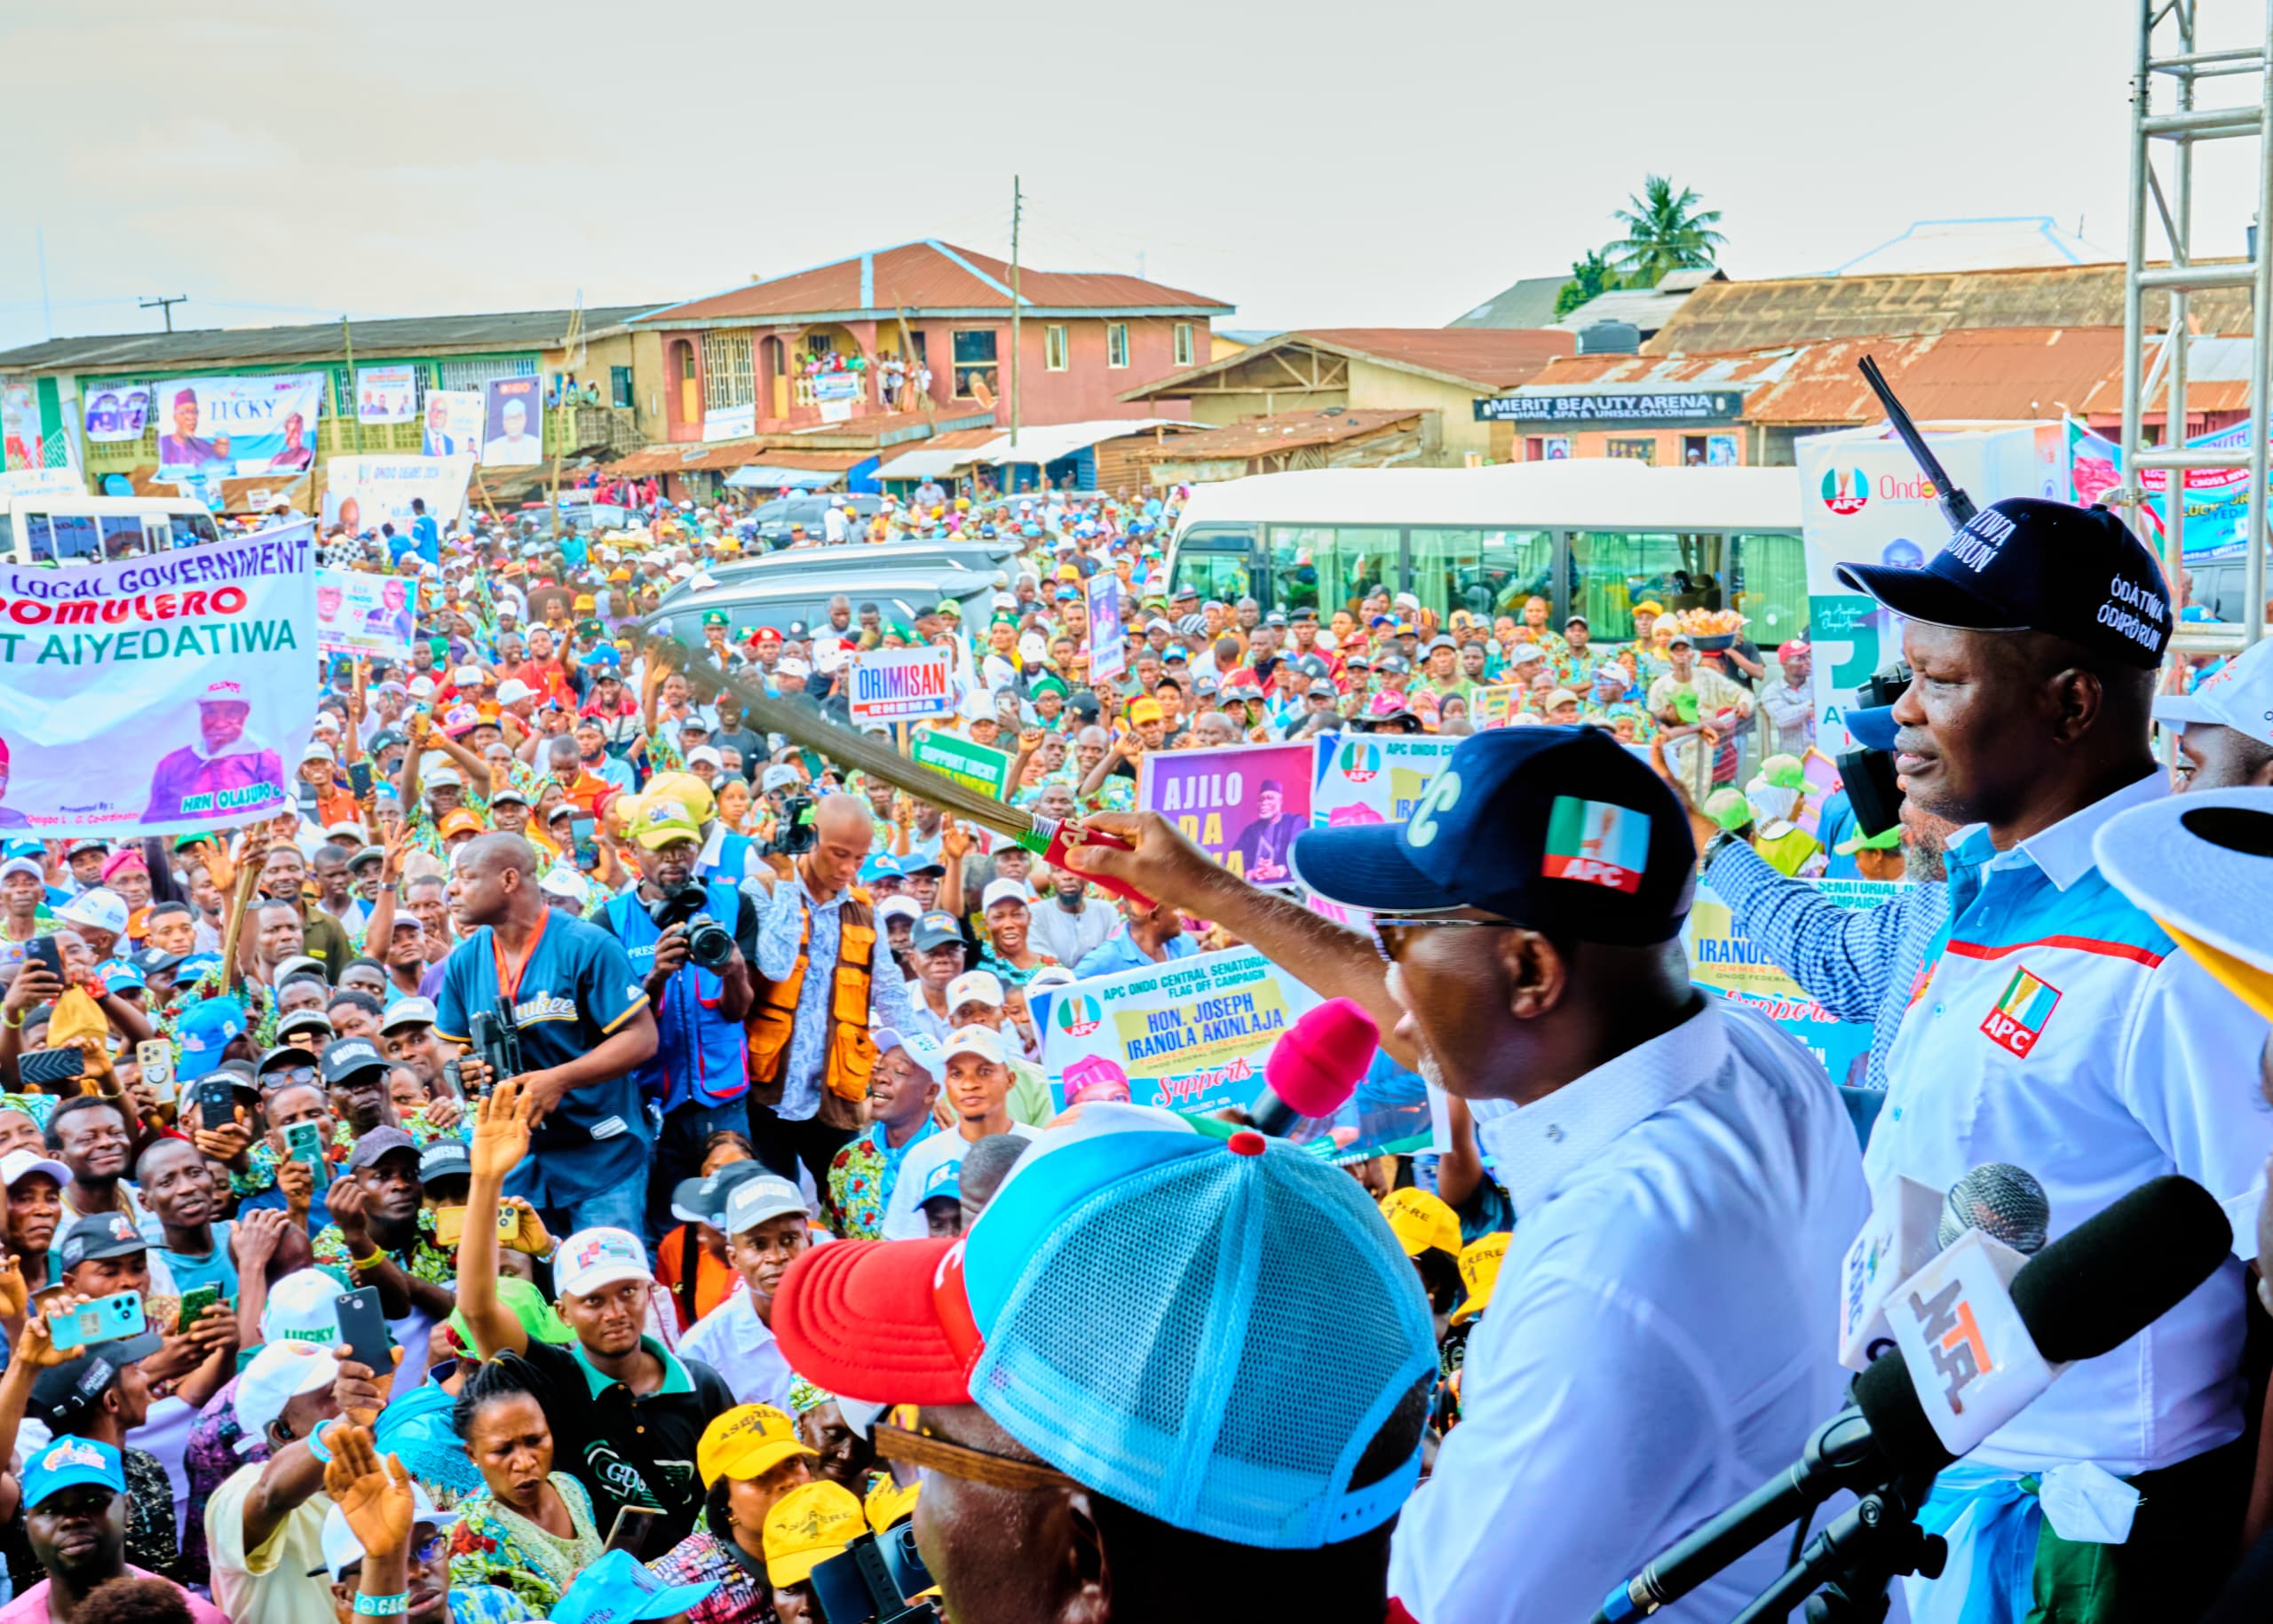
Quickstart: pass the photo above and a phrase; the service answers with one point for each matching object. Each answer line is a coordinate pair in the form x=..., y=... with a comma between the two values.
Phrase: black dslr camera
x=708, y=943
x=872, y=1579
x=1868, y=774
x=792, y=828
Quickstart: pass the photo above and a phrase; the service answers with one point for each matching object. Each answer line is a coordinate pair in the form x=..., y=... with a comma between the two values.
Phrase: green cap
x=1784, y=772
x=714, y=617
x=1884, y=840
x=526, y=1304
x=1728, y=809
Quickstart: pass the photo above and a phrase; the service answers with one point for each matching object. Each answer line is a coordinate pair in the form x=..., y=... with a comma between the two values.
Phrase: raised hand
x=372, y=1495
x=501, y=1132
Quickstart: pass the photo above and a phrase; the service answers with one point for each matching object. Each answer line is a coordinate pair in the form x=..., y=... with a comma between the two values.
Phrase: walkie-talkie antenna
x=1957, y=507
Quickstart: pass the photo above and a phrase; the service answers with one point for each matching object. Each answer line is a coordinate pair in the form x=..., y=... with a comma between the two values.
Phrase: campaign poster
x=1723, y=960
x=902, y=685
x=373, y=616
x=1375, y=777
x=1108, y=638
x=513, y=427
x=362, y=492
x=117, y=412
x=454, y=418
x=159, y=695
x=22, y=437
x=386, y=394
x=240, y=427
x=2217, y=499
x=1242, y=804
x=1495, y=706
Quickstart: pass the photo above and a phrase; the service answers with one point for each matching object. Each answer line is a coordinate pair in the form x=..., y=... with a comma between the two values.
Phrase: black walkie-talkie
x=1957, y=507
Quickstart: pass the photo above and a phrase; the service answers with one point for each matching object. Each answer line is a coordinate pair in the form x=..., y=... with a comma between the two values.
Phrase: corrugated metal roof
x=1590, y=374
x=2000, y=374
x=941, y=454
x=930, y=275
x=1281, y=432
x=1724, y=316
x=1051, y=443
x=523, y=330
x=1647, y=308
x=1529, y=303
x=1487, y=359
x=2010, y=242
x=692, y=458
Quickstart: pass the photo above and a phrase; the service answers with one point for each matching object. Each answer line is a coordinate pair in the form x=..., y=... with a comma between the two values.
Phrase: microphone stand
x=1855, y=1558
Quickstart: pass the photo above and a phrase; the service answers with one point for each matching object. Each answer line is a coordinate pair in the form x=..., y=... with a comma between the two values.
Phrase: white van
x=73, y=529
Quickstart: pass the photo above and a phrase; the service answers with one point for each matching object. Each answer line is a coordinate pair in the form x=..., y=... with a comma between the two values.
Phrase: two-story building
x=895, y=339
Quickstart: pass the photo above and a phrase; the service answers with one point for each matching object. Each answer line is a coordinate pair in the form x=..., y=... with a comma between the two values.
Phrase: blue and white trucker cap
x=1212, y=1328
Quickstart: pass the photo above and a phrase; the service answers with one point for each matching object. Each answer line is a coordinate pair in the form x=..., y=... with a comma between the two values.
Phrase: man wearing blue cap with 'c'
x=75, y=1516
x=1663, y=1333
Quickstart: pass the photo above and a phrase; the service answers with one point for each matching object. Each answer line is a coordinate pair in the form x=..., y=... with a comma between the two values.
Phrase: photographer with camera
x=692, y=941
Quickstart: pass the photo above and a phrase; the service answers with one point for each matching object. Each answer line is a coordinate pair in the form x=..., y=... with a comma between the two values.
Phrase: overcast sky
x=1320, y=164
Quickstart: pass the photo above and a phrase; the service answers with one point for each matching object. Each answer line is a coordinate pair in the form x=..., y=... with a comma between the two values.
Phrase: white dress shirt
x=1661, y=1339
x=903, y=1218
x=740, y=1346
x=2058, y=1028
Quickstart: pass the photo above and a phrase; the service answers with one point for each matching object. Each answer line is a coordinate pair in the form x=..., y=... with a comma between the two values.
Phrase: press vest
x=701, y=1055
x=849, y=1055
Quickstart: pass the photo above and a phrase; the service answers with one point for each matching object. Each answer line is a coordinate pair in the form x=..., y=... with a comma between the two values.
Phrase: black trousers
x=782, y=1144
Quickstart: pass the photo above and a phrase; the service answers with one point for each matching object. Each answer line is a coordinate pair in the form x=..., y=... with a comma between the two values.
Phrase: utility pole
x=46, y=311
x=1018, y=203
x=166, y=305
x=354, y=403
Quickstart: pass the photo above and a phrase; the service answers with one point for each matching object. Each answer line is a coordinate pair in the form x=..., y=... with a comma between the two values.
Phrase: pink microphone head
x=1316, y=1065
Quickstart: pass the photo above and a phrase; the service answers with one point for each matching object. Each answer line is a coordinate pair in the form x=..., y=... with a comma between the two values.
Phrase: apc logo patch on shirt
x=1597, y=844
x=2017, y=1018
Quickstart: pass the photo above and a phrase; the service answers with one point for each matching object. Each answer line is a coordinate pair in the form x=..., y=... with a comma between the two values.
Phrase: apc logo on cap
x=1846, y=490
x=2018, y=1018
x=71, y=1452
x=1597, y=843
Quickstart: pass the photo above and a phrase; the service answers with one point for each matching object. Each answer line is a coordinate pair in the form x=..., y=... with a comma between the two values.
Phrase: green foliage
x=1588, y=277
x=1665, y=230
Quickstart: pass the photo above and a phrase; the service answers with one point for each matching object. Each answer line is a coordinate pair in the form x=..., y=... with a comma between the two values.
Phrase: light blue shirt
x=781, y=922
x=1662, y=1338
x=1120, y=952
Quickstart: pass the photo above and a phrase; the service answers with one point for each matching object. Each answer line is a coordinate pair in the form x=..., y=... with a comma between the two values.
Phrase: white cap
x=564, y=882
x=984, y=1041
x=703, y=752
x=1405, y=600
x=1004, y=891
x=513, y=690
x=2239, y=695
x=899, y=906
x=280, y=1373
x=467, y=677
x=24, y=865
x=1524, y=654
x=225, y=693
x=974, y=986
x=422, y=687
x=794, y=667
x=1049, y=975
x=345, y=825
x=922, y=1048
x=22, y=1164
x=593, y=1258
x=318, y=750
x=341, y=1546
x=754, y=1200
x=301, y=1308
x=778, y=776
x=443, y=777
x=105, y=910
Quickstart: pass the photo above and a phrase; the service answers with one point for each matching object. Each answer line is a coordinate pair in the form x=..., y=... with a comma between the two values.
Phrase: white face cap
x=2239, y=695
x=981, y=986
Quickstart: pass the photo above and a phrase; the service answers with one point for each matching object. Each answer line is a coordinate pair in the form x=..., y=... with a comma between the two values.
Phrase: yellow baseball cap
x=1421, y=1221
x=1144, y=711
x=663, y=821
x=1649, y=606
x=745, y=1442
x=806, y=1528
x=688, y=790
x=1479, y=1271
x=889, y=1503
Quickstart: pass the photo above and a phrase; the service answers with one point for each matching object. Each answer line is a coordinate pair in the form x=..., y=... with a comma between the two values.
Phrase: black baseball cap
x=155, y=960
x=379, y=1142
x=105, y=1234
x=63, y=1393
x=1560, y=828
x=445, y=1159
x=935, y=930
x=345, y=1057
x=2028, y=565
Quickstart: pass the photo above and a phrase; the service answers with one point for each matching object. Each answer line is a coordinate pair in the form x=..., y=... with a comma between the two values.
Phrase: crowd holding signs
x=472, y=1038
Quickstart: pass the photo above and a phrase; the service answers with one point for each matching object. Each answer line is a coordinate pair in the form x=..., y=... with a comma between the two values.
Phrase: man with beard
x=217, y=773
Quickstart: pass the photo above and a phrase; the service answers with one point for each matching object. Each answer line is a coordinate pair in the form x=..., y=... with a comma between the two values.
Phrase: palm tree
x=1664, y=231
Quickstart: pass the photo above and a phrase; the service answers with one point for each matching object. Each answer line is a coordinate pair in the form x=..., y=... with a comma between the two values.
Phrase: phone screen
x=630, y=1532
x=216, y=1105
x=581, y=830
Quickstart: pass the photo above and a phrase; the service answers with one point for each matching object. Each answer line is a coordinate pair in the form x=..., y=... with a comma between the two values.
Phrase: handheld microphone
x=2004, y=1202
x=1909, y=1225
x=1313, y=1068
x=2083, y=1295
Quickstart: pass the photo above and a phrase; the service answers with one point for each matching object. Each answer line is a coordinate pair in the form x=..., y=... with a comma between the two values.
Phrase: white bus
x=1593, y=537
x=74, y=528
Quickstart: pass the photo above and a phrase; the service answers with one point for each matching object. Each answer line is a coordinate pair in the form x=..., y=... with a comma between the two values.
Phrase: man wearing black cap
x=355, y=1077
x=2054, y=1027
x=379, y=1222
x=1687, y=1180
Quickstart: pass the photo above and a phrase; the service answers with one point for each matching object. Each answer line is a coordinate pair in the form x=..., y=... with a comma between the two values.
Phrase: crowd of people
x=590, y=1159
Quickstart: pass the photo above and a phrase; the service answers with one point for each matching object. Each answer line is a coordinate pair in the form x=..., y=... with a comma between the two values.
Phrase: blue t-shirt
x=426, y=538
x=190, y=1272
x=577, y=990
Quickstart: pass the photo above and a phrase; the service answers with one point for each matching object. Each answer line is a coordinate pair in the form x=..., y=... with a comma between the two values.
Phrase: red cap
x=879, y=1320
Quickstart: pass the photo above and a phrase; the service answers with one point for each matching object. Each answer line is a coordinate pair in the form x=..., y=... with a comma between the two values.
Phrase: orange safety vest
x=849, y=1057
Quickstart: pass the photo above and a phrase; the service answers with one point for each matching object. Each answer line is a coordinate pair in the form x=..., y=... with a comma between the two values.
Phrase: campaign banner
x=1108, y=638
x=1495, y=706
x=2217, y=499
x=24, y=440
x=386, y=394
x=241, y=427
x=512, y=426
x=362, y=492
x=1723, y=960
x=454, y=422
x=1242, y=804
x=118, y=412
x=973, y=764
x=157, y=695
x=1375, y=777
x=835, y=386
x=730, y=422
x=1191, y=1035
x=902, y=685
x=371, y=616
